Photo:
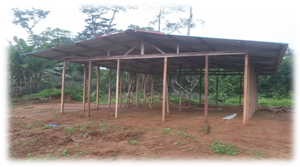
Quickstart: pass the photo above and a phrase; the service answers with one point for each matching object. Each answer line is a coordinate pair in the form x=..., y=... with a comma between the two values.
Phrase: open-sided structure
x=144, y=52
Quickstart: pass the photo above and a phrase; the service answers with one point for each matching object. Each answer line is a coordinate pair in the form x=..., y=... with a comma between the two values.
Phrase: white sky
x=260, y=20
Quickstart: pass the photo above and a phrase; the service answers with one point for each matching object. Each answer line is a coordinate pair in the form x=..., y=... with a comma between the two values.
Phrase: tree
x=136, y=27
x=100, y=20
x=28, y=20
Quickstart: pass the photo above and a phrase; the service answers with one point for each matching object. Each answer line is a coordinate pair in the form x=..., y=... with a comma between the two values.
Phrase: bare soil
x=139, y=134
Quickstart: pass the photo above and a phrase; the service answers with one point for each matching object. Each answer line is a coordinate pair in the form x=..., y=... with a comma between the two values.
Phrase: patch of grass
x=46, y=127
x=83, y=128
x=64, y=153
x=70, y=129
x=178, y=143
x=224, y=148
x=133, y=142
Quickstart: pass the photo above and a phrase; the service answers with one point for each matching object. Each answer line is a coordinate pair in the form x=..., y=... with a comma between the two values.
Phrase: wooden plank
x=217, y=90
x=97, y=93
x=162, y=52
x=177, y=50
x=109, y=88
x=130, y=49
x=84, y=85
x=147, y=56
x=240, y=100
x=183, y=85
x=164, y=89
x=137, y=90
x=89, y=88
x=151, y=89
x=180, y=83
x=245, y=105
x=117, y=88
x=206, y=90
x=120, y=103
x=63, y=88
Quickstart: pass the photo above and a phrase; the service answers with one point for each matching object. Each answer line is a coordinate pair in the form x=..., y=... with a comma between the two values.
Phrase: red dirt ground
x=139, y=134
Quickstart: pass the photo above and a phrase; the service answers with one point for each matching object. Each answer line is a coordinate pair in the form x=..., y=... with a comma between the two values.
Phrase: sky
x=258, y=20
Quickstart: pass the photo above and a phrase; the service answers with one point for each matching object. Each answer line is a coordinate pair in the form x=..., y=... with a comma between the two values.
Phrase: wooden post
x=240, y=101
x=168, y=97
x=97, y=96
x=164, y=89
x=180, y=88
x=200, y=80
x=89, y=88
x=245, y=105
x=121, y=77
x=190, y=95
x=63, y=88
x=217, y=90
x=117, y=88
x=183, y=85
x=137, y=90
x=83, y=92
x=151, y=89
x=109, y=88
x=145, y=83
x=206, y=89
x=142, y=48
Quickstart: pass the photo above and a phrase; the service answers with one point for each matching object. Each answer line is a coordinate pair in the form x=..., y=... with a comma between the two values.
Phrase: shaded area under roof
x=265, y=56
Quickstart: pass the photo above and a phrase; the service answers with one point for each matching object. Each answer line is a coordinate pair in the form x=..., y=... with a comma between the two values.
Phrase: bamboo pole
x=240, y=101
x=84, y=85
x=137, y=90
x=109, y=88
x=164, y=89
x=89, y=88
x=151, y=89
x=180, y=88
x=121, y=77
x=97, y=96
x=117, y=88
x=63, y=88
x=190, y=95
x=217, y=90
x=206, y=90
x=245, y=105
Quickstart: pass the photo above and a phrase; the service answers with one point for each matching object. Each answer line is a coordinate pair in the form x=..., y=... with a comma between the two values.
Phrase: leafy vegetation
x=224, y=148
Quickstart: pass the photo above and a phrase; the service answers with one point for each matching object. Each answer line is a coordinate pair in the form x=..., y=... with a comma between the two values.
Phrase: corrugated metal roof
x=265, y=56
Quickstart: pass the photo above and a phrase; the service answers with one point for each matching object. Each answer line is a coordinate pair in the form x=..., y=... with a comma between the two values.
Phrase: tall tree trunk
x=190, y=20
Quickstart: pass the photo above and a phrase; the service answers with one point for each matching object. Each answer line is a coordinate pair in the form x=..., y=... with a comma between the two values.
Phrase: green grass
x=133, y=142
x=224, y=148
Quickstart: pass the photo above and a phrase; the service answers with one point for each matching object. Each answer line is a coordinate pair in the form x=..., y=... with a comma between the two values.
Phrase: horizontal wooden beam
x=149, y=56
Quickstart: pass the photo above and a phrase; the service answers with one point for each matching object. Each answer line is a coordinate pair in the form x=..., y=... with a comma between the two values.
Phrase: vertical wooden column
x=164, y=89
x=97, y=93
x=206, y=90
x=145, y=84
x=180, y=89
x=137, y=90
x=190, y=95
x=63, y=88
x=151, y=89
x=109, y=88
x=240, y=101
x=89, y=88
x=117, y=88
x=200, y=80
x=183, y=85
x=217, y=90
x=121, y=77
x=246, y=83
x=168, y=96
x=83, y=92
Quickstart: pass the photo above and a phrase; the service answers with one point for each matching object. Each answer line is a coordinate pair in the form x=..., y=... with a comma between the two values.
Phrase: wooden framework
x=171, y=55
